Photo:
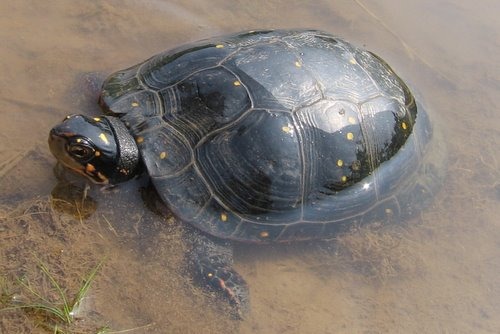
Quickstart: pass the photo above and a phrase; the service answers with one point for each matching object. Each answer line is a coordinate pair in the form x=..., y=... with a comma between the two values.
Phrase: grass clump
x=52, y=309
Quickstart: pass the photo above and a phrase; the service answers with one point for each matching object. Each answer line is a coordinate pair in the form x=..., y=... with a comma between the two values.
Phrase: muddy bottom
x=416, y=277
x=437, y=273
x=141, y=286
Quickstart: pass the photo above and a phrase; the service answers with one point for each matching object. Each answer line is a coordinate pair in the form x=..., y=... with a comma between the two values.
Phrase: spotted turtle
x=259, y=137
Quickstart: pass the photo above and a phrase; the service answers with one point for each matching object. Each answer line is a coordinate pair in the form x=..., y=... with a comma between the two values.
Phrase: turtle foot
x=212, y=265
x=227, y=282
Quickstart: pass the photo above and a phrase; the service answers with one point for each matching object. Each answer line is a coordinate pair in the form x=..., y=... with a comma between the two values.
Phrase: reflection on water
x=437, y=274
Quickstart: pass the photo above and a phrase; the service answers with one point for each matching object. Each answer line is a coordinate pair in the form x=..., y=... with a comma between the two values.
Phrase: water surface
x=438, y=274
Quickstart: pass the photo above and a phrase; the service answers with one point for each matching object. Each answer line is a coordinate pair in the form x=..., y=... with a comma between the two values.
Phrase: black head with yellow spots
x=99, y=148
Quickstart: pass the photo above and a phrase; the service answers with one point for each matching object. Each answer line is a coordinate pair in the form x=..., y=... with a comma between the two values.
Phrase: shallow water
x=438, y=274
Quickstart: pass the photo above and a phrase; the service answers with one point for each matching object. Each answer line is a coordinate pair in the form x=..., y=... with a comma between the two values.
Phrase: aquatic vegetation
x=53, y=309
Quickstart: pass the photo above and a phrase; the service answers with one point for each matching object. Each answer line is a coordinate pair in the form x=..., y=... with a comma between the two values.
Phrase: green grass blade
x=60, y=311
x=87, y=282
x=66, y=308
x=39, y=307
x=28, y=287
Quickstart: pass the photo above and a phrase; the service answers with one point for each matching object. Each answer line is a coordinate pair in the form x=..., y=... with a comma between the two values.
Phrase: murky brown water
x=439, y=275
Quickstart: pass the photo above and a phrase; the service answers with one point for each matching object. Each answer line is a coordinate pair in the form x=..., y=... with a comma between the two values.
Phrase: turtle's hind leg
x=212, y=263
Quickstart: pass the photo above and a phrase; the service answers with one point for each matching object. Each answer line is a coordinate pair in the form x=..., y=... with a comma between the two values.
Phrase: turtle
x=258, y=137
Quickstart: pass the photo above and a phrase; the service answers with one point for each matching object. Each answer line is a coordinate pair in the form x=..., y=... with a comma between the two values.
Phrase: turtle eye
x=81, y=151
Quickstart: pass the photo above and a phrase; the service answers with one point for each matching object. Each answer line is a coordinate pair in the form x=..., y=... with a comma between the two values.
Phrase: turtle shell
x=276, y=135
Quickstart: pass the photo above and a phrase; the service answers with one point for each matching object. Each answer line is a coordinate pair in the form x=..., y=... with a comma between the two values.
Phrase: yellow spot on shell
x=343, y=178
x=104, y=138
x=340, y=163
x=351, y=120
x=286, y=129
x=404, y=126
x=388, y=211
x=350, y=136
x=209, y=275
x=135, y=104
x=163, y=155
x=219, y=46
x=298, y=64
x=97, y=119
x=97, y=153
x=139, y=139
x=353, y=61
x=237, y=83
x=264, y=234
x=223, y=216
x=78, y=140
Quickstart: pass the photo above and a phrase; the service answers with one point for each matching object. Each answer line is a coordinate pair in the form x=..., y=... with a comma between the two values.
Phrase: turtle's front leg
x=212, y=262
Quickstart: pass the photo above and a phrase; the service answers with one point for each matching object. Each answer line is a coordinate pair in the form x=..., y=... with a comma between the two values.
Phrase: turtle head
x=100, y=148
